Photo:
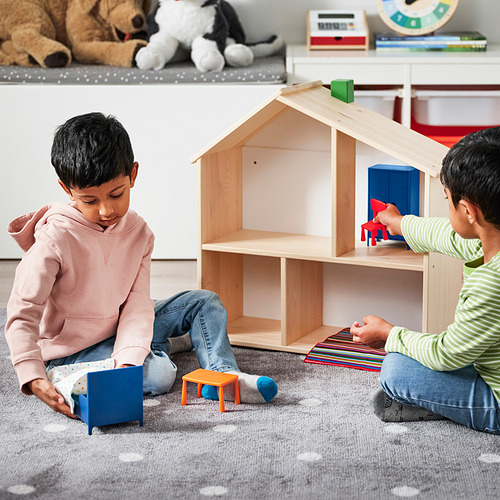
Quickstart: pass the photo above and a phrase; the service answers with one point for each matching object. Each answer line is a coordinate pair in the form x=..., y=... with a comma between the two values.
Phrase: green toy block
x=343, y=90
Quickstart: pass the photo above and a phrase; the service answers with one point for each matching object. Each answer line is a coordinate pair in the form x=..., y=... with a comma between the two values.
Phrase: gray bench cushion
x=266, y=70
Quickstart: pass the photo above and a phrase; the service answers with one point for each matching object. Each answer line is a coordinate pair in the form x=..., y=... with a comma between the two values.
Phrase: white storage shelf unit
x=404, y=71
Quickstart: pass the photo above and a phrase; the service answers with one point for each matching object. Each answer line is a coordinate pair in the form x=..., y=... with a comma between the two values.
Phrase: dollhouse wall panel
x=261, y=287
x=306, y=133
x=287, y=191
x=352, y=292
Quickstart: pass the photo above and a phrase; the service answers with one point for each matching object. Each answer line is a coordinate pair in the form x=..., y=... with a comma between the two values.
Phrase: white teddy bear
x=210, y=29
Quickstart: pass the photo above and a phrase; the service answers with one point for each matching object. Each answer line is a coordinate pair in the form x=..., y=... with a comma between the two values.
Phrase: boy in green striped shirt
x=454, y=374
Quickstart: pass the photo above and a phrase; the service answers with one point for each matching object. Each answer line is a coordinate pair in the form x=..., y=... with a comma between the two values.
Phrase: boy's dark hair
x=471, y=171
x=91, y=149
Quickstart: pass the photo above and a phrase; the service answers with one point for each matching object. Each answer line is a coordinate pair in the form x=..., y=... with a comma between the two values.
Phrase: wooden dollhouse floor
x=265, y=333
x=390, y=255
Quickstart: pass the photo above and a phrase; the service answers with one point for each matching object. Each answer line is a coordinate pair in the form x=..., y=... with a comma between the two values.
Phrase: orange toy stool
x=209, y=377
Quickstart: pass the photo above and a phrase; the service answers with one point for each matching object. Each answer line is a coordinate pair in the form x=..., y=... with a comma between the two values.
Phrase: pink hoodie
x=76, y=285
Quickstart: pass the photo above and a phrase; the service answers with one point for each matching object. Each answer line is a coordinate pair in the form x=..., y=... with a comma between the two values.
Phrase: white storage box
x=459, y=107
x=381, y=101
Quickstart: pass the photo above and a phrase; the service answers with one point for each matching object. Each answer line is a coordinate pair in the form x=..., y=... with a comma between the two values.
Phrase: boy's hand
x=391, y=218
x=373, y=333
x=44, y=390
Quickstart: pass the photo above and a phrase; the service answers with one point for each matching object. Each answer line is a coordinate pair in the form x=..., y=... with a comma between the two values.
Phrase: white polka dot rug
x=318, y=439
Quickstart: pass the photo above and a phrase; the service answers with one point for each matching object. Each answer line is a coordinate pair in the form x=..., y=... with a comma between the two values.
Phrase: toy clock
x=416, y=17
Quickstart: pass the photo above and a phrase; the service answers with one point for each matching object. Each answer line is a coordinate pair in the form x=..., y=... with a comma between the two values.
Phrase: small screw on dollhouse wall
x=343, y=90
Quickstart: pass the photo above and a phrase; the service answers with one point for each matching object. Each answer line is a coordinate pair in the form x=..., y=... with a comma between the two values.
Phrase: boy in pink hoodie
x=81, y=291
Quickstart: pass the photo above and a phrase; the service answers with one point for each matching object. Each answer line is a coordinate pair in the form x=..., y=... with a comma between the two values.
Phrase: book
x=457, y=48
x=456, y=41
x=340, y=350
x=454, y=36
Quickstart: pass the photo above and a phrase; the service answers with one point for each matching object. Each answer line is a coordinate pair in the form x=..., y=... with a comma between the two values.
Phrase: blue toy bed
x=113, y=396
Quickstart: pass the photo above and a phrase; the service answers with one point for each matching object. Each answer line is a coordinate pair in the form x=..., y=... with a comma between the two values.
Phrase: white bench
x=170, y=115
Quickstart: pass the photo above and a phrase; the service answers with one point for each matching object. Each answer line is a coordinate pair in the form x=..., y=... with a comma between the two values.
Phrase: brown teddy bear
x=104, y=31
x=50, y=32
x=34, y=32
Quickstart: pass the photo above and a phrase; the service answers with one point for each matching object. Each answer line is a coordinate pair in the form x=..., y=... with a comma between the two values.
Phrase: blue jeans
x=200, y=312
x=459, y=395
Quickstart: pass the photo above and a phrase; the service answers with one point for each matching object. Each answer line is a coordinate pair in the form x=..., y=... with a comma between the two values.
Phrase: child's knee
x=211, y=302
x=159, y=374
x=207, y=295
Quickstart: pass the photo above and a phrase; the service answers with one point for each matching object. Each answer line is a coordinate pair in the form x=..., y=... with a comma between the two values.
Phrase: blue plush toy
x=209, y=29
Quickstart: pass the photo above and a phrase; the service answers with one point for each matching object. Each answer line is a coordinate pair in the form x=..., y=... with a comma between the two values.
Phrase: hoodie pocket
x=78, y=334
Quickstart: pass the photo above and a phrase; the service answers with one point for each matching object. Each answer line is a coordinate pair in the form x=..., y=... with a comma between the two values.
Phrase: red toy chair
x=374, y=227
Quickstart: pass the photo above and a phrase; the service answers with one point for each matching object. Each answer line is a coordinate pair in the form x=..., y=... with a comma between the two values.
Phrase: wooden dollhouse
x=290, y=247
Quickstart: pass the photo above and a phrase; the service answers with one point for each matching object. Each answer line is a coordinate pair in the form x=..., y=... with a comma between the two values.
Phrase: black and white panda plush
x=209, y=29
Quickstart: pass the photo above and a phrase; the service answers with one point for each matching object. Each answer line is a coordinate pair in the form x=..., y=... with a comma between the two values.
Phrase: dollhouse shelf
x=263, y=333
x=277, y=284
x=315, y=248
x=266, y=333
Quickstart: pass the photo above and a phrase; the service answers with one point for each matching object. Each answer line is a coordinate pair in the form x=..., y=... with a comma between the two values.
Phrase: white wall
x=167, y=126
x=261, y=18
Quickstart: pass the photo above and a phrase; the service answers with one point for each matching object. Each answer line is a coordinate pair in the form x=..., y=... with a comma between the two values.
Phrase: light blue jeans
x=200, y=312
x=459, y=395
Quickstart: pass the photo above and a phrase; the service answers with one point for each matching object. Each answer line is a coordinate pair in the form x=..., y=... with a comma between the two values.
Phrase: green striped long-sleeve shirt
x=474, y=335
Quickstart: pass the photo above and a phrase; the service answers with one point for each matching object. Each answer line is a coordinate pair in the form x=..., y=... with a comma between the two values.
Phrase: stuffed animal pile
x=50, y=33
x=210, y=29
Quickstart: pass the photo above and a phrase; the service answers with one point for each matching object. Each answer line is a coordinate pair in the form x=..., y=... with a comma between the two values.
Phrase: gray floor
x=317, y=439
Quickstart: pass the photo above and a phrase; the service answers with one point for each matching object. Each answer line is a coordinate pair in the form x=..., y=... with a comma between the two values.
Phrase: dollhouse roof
x=352, y=119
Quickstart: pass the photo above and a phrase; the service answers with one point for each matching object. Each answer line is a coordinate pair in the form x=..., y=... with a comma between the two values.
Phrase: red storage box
x=448, y=114
x=444, y=134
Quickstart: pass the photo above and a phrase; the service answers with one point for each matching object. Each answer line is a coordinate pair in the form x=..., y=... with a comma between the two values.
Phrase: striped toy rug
x=340, y=350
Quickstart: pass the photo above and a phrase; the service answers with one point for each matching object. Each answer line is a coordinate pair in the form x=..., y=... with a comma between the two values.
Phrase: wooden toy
x=209, y=377
x=113, y=396
x=337, y=29
x=343, y=90
x=374, y=227
x=300, y=127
